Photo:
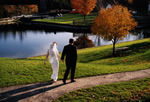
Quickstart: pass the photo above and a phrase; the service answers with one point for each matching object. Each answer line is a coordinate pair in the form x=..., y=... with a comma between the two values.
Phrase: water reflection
x=98, y=41
x=26, y=43
x=30, y=43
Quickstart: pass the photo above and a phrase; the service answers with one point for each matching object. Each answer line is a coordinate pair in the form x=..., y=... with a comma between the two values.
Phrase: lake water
x=27, y=43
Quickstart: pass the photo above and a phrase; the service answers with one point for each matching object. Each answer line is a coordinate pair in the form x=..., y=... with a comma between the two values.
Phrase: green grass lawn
x=68, y=18
x=131, y=91
x=91, y=62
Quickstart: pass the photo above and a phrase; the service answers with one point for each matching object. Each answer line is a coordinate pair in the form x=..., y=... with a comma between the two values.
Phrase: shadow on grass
x=10, y=96
x=132, y=49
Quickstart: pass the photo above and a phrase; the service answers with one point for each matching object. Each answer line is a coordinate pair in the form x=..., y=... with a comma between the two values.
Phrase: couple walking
x=70, y=55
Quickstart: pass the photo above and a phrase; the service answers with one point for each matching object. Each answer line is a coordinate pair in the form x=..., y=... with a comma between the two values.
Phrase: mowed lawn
x=91, y=62
x=68, y=18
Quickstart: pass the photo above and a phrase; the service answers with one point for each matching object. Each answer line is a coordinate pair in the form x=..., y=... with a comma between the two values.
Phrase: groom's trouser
x=72, y=67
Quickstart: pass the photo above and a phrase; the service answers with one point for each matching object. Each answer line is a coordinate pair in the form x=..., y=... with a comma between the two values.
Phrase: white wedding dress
x=54, y=60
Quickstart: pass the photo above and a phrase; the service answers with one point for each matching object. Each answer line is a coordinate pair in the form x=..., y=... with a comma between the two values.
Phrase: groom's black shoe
x=64, y=81
x=73, y=81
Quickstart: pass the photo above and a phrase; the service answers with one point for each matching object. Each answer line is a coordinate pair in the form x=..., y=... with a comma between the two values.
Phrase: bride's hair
x=55, y=43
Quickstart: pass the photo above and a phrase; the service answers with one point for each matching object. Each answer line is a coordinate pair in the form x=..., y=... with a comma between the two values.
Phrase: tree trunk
x=114, y=45
x=84, y=18
x=99, y=41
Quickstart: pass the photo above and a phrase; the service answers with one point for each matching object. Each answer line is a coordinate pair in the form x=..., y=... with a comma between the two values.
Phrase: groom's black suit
x=70, y=52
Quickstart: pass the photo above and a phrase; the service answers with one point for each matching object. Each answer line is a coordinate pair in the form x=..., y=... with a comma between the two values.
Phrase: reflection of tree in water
x=98, y=40
x=7, y=34
x=83, y=42
x=142, y=33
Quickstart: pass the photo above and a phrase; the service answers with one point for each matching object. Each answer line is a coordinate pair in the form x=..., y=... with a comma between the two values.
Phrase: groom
x=70, y=52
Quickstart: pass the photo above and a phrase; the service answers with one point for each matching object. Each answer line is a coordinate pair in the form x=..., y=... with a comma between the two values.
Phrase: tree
x=13, y=10
x=31, y=8
x=113, y=24
x=83, y=7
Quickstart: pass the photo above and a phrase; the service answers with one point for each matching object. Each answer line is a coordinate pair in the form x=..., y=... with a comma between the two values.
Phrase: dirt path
x=45, y=92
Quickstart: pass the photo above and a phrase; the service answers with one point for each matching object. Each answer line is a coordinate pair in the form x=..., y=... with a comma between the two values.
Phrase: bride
x=54, y=55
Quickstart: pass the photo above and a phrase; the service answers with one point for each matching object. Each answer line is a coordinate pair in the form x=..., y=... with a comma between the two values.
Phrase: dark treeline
x=141, y=6
x=18, y=2
x=7, y=5
x=58, y=4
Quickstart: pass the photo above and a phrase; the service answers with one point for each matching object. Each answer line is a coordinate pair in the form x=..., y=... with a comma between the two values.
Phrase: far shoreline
x=77, y=49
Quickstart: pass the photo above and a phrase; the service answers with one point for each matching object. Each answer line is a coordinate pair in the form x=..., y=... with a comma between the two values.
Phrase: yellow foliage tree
x=83, y=7
x=113, y=24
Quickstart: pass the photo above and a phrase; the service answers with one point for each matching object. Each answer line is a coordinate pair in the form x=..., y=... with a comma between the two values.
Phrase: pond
x=27, y=43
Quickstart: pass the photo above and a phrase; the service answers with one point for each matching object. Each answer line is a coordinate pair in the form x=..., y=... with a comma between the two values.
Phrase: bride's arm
x=46, y=57
x=58, y=54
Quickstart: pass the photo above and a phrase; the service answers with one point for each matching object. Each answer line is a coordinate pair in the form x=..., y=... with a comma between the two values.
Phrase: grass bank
x=68, y=18
x=132, y=91
x=91, y=61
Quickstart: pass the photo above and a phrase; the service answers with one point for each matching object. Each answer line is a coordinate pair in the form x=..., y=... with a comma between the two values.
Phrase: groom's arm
x=76, y=53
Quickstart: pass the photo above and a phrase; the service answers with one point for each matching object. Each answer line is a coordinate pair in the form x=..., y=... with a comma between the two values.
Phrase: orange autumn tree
x=113, y=24
x=83, y=7
x=32, y=8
